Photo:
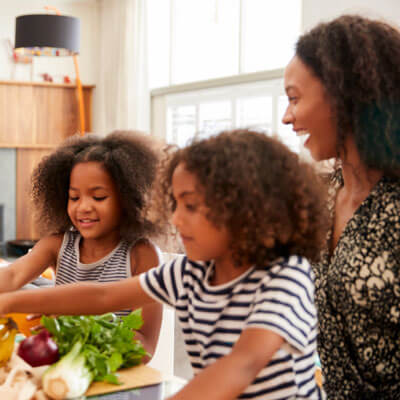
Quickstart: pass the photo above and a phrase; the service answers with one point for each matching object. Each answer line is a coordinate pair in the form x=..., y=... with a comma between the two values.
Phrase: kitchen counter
x=160, y=391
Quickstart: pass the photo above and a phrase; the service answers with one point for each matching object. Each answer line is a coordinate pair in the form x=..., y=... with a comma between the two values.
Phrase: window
x=197, y=40
x=218, y=65
x=258, y=106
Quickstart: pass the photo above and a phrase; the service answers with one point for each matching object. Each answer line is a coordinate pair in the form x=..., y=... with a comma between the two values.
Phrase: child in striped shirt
x=250, y=215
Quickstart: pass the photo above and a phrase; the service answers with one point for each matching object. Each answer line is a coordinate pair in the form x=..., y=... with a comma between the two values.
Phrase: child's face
x=202, y=240
x=93, y=202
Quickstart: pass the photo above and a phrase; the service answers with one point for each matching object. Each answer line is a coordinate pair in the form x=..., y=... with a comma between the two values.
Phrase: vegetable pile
x=91, y=348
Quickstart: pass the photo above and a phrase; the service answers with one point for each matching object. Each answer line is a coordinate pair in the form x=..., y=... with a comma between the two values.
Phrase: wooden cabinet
x=35, y=118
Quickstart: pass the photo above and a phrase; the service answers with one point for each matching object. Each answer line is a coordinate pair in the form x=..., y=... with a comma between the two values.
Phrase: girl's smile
x=87, y=223
x=93, y=204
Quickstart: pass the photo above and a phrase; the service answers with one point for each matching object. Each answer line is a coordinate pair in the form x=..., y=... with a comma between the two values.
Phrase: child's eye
x=72, y=198
x=100, y=198
x=191, y=207
x=173, y=205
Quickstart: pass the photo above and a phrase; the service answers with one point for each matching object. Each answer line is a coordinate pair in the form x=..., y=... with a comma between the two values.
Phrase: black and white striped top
x=279, y=297
x=113, y=267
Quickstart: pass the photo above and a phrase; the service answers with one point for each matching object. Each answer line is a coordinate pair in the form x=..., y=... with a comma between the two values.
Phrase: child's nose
x=175, y=219
x=85, y=205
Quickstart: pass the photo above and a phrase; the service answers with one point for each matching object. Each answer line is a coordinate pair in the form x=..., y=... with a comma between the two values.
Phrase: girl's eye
x=173, y=205
x=191, y=207
x=100, y=198
x=73, y=198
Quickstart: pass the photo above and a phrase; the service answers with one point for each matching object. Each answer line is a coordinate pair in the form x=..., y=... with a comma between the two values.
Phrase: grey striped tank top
x=113, y=267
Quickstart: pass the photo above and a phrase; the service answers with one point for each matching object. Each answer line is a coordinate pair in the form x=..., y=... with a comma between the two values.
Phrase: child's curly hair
x=130, y=158
x=272, y=203
x=358, y=62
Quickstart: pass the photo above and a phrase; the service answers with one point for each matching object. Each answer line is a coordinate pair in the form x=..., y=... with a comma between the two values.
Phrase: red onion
x=39, y=349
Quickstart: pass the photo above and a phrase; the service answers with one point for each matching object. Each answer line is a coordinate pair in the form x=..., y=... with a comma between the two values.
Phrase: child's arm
x=30, y=266
x=228, y=377
x=144, y=257
x=77, y=298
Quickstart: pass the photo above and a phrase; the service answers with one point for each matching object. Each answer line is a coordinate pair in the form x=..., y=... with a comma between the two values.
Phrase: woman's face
x=309, y=110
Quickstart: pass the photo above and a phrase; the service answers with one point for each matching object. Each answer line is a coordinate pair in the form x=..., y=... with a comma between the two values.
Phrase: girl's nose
x=85, y=205
x=287, y=117
x=175, y=219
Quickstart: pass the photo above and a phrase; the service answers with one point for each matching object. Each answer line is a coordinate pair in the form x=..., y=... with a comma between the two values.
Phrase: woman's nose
x=287, y=117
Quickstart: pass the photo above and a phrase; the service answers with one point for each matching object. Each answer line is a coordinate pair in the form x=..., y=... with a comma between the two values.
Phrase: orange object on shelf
x=24, y=326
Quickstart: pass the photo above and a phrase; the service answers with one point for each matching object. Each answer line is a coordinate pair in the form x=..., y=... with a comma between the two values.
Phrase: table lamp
x=51, y=35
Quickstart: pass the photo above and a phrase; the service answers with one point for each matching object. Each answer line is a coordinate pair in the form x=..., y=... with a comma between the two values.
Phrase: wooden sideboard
x=34, y=118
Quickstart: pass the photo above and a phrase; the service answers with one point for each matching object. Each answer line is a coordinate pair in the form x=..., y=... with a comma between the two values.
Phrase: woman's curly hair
x=270, y=201
x=358, y=62
x=130, y=158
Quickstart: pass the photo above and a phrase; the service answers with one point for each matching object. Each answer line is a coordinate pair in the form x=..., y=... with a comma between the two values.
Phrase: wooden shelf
x=40, y=114
x=26, y=146
x=34, y=118
x=46, y=84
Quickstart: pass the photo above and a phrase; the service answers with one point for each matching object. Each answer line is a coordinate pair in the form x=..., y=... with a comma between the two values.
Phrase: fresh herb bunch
x=107, y=341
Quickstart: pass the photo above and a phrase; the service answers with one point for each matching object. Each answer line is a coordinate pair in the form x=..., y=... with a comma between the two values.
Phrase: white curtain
x=123, y=95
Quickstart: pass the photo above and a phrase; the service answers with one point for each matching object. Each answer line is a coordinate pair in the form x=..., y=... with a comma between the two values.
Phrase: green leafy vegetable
x=107, y=341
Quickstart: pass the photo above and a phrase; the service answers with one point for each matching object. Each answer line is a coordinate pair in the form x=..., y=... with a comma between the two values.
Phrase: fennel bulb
x=69, y=377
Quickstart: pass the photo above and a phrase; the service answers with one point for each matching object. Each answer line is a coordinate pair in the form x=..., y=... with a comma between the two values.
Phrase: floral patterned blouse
x=358, y=299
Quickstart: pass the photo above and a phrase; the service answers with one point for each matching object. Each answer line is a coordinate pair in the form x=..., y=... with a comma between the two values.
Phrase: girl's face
x=203, y=241
x=309, y=110
x=93, y=202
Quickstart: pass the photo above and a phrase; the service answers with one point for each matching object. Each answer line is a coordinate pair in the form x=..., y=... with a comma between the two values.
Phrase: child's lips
x=86, y=223
x=186, y=238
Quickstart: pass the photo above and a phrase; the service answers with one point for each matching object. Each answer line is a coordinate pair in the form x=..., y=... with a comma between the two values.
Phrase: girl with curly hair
x=343, y=86
x=90, y=198
x=249, y=213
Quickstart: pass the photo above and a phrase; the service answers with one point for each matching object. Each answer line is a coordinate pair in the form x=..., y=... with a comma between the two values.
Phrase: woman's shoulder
x=390, y=189
x=387, y=198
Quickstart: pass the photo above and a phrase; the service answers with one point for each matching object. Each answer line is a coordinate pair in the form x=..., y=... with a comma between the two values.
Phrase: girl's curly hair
x=271, y=202
x=358, y=62
x=130, y=158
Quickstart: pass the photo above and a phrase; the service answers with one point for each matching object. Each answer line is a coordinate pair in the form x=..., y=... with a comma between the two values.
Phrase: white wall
x=86, y=10
x=315, y=11
x=88, y=13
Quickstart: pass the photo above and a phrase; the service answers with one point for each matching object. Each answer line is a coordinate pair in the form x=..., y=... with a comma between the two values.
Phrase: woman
x=343, y=86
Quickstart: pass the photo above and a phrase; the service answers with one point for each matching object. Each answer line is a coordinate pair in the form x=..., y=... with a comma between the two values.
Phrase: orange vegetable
x=48, y=274
x=24, y=326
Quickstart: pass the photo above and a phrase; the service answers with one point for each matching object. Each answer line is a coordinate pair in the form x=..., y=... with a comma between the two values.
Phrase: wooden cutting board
x=131, y=378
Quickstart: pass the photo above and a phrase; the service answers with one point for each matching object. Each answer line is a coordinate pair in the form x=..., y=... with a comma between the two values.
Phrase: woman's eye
x=292, y=99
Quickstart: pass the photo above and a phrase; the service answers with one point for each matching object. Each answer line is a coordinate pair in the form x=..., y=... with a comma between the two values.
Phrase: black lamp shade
x=36, y=34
